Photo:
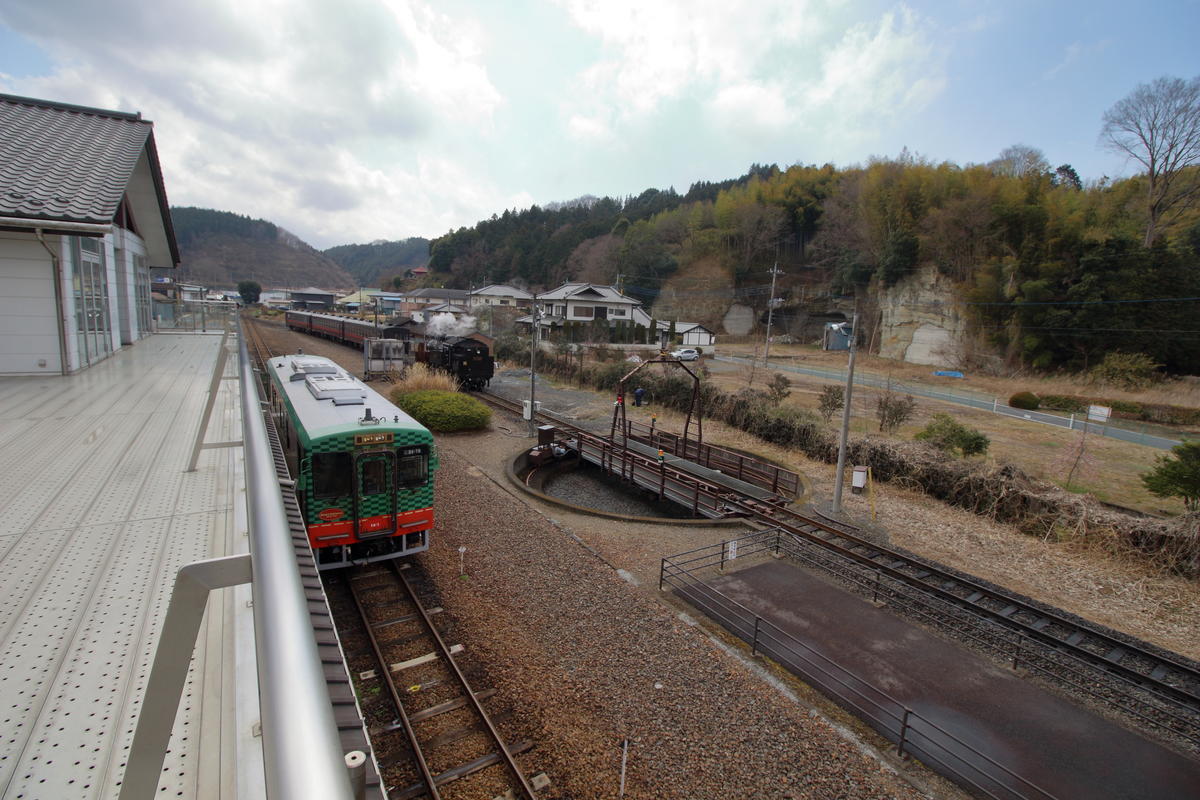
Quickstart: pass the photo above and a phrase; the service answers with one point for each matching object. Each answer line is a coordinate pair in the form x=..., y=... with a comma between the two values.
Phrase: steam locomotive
x=468, y=360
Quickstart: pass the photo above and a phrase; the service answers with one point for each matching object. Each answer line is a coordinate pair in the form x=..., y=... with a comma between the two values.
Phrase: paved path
x=1058, y=749
x=971, y=399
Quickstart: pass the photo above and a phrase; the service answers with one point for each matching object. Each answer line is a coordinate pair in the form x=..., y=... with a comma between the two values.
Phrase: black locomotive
x=468, y=360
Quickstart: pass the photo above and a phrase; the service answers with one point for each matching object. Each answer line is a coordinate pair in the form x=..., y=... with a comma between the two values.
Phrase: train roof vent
x=342, y=390
x=313, y=366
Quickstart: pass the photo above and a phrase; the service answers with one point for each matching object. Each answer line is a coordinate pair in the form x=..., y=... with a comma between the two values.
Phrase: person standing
x=638, y=394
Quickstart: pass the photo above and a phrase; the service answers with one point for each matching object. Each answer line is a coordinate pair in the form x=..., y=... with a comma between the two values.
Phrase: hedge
x=444, y=412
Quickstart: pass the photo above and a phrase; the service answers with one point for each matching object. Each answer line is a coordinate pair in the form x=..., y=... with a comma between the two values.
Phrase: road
x=971, y=399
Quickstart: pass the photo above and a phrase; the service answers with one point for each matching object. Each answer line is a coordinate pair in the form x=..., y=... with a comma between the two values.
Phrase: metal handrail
x=823, y=670
x=302, y=756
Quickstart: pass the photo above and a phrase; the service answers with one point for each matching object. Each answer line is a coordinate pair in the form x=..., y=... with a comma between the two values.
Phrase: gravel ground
x=586, y=660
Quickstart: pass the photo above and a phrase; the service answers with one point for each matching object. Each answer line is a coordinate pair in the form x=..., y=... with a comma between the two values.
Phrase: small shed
x=836, y=336
x=312, y=297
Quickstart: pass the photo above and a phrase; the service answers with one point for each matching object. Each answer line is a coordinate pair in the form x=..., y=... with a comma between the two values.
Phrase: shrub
x=894, y=410
x=831, y=401
x=1131, y=371
x=1062, y=402
x=950, y=436
x=1024, y=400
x=778, y=388
x=1178, y=475
x=1125, y=407
x=444, y=411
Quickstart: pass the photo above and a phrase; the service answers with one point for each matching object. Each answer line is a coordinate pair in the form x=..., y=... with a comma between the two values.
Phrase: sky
x=362, y=120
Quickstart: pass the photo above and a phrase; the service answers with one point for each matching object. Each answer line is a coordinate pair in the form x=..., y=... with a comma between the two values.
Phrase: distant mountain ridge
x=218, y=249
x=377, y=263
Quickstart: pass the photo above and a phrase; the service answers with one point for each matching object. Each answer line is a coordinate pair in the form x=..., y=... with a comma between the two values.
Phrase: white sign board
x=732, y=550
x=1098, y=413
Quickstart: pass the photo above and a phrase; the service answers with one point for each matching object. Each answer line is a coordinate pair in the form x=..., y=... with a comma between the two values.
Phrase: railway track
x=439, y=715
x=1156, y=689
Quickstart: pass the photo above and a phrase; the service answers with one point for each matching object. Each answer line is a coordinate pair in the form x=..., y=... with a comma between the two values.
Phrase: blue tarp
x=948, y=373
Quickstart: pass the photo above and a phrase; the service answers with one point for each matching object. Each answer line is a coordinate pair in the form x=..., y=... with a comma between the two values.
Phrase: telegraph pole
x=533, y=341
x=841, y=462
x=771, y=310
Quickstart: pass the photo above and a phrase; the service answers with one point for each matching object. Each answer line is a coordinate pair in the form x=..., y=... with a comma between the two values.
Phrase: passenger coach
x=363, y=468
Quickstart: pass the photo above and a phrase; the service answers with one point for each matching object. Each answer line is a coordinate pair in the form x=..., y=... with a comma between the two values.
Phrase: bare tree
x=1158, y=125
x=1020, y=161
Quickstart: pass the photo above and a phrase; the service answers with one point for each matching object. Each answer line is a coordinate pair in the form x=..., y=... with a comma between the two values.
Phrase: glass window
x=331, y=474
x=584, y=311
x=373, y=476
x=412, y=465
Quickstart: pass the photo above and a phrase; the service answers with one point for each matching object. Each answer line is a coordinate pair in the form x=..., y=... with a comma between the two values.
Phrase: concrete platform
x=1057, y=746
x=98, y=515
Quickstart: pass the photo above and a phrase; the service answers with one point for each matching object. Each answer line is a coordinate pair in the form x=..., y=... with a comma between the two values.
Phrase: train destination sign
x=383, y=437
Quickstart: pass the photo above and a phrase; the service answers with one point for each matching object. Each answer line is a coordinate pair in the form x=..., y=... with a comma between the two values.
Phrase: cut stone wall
x=922, y=321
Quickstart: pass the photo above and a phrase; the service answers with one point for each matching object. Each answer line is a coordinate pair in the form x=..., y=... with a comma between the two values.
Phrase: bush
x=1125, y=407
x=894, y=410
x=1062, y=402
x=1130, y=371
x=831, y=401
x=1024, y=400
x=950, y=436
x=778, y=388
x=1178, y=475
x=444, y=411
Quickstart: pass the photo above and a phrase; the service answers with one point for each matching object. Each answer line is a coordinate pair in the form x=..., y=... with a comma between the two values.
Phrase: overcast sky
x=357, y=120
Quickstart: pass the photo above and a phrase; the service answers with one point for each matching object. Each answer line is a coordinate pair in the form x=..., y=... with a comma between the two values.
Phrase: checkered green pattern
x=343, y=442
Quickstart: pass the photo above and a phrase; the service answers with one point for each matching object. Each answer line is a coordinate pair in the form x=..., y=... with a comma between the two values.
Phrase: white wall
x=28, y=329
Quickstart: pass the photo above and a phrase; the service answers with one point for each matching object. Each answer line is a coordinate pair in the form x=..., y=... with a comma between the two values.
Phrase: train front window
x=373, y=474
x=331, y=473
x=412, y=466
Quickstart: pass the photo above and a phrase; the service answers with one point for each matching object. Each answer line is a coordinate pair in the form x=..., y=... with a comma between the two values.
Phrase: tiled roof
x=503, y=290
x=587, y=291
x=60, y=162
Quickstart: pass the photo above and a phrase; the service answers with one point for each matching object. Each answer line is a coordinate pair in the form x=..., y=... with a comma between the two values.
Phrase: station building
x=83, y=219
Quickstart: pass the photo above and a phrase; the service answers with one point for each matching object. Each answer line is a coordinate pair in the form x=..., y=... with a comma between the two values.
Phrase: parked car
x=686, y=354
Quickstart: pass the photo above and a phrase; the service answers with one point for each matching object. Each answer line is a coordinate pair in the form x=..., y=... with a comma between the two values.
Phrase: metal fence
x=1122, y=429
x=913, y=734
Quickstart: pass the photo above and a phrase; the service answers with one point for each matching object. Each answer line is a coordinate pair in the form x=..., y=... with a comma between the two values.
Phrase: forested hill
x=1046, y=271
x=217, y=249
x=378, y=264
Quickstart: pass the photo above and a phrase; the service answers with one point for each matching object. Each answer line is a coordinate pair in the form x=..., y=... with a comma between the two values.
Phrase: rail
x=302, y=757
x=913, y=734
x=301, y=754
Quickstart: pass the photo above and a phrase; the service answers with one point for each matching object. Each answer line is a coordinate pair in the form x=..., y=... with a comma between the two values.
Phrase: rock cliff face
x=922, y=321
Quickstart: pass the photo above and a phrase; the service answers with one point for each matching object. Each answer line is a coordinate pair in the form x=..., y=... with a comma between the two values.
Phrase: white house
x=693, y=334
x=83, y=218
x=584, y=302
x=501, y=295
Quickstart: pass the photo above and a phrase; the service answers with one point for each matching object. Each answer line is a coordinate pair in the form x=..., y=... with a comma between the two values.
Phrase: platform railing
x=913, y=734
x=302, y=755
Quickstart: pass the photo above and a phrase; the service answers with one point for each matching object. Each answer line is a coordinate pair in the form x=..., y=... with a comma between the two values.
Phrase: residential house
x=501, y=295
x=83, y=218
x=421, y=299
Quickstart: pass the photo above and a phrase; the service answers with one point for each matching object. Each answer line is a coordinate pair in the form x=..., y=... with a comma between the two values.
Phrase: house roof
x=504, y=290
x=361, y=296
x=587, y=291
x=441, y=294
x=445, y=307
x=72, y=164
x=684, y=327
x=312, y=290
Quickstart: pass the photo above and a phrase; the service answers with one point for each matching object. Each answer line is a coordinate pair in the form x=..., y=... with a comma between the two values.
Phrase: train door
x=375, y=494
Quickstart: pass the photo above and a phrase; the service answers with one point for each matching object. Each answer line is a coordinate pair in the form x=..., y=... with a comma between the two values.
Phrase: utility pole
x=841, y=462
x=771, y=310
x=533, y=342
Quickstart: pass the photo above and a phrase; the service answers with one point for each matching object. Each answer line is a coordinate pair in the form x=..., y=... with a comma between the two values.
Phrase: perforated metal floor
x=97, y=516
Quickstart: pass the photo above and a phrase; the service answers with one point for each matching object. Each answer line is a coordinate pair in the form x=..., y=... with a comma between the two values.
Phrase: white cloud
x=279, y=109
x=758, y=70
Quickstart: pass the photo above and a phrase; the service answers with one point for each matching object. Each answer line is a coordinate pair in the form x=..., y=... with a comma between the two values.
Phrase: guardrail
x=913, y=734
x=734, y=464
x=302, y=757
x=1124, y=430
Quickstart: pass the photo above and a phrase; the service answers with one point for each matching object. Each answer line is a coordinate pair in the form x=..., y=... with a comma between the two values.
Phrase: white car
x=686, y=354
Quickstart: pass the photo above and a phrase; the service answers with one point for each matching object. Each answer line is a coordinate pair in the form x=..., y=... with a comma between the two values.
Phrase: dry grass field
x=1109, y=469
